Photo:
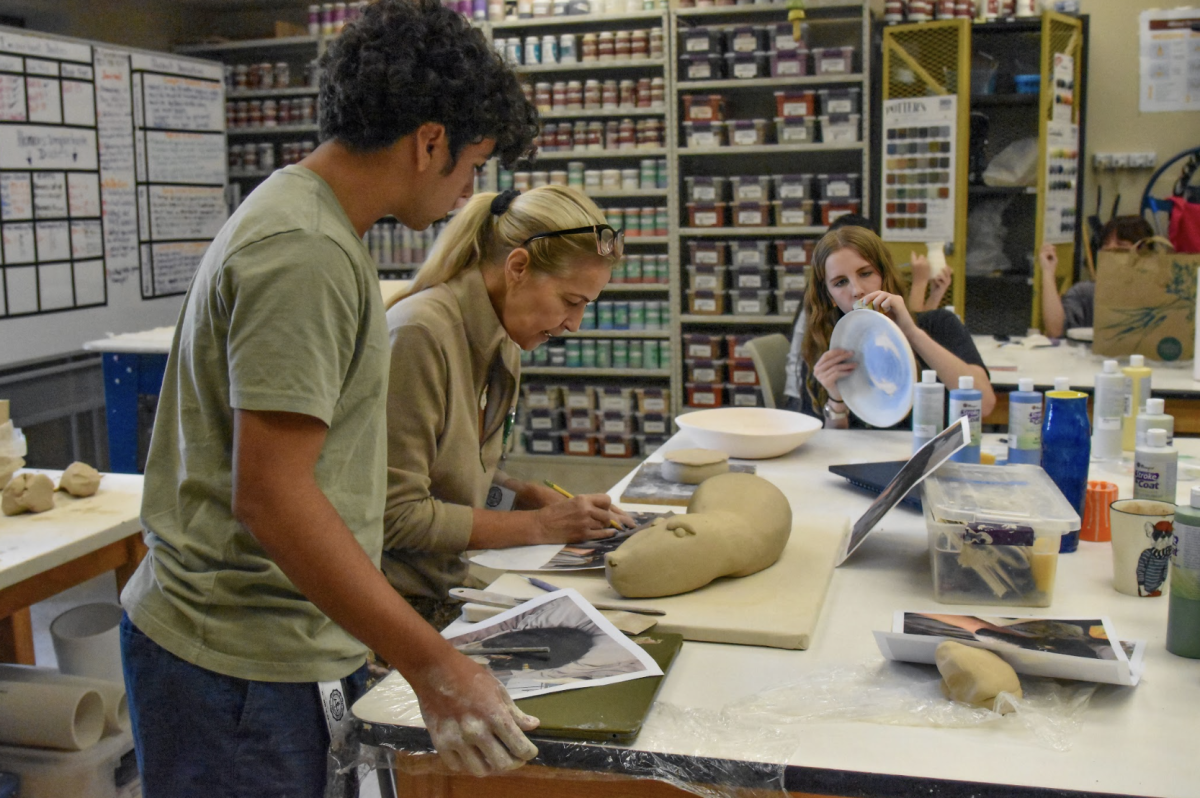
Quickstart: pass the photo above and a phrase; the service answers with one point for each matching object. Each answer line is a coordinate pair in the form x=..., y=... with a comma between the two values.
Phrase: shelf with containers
x=770, y=148
x=584, y=419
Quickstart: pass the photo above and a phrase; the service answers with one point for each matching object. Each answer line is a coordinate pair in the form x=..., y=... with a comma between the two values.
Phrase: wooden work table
x=42, y=554
x=1124, y=745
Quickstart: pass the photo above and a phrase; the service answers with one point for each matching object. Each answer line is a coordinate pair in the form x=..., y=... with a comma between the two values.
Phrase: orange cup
x=1096, y=525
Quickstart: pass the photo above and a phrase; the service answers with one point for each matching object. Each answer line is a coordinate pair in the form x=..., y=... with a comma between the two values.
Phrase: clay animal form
x=693, y=466
x=736, y=524
x=975, y=675
x=27, y=493
x=80, y=479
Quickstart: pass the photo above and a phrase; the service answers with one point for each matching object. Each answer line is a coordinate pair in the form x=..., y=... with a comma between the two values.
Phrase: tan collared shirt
x=453, y=381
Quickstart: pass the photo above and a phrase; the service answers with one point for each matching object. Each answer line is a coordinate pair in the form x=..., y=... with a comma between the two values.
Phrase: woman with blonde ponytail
x=510, y=272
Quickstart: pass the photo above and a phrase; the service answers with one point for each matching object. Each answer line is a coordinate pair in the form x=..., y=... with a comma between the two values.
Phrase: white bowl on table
x=752, y=433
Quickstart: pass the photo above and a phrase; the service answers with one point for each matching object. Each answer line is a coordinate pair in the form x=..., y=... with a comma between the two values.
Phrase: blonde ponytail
x=464, y=242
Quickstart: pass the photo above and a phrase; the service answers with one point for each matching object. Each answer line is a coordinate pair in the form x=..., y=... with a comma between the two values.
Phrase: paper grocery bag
x=1146, y=302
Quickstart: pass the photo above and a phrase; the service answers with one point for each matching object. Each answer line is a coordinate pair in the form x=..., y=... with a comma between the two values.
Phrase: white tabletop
x=1127, y=733
x=1008, y=361
x=33, y=543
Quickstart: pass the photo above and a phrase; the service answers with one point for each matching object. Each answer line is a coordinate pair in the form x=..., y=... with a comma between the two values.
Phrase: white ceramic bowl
x=753, y=433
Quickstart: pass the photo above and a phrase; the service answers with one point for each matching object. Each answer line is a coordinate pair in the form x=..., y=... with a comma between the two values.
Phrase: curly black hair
x=407, y=62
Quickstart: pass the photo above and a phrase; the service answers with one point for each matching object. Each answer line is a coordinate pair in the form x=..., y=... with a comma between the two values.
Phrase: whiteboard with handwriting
x=112, y=183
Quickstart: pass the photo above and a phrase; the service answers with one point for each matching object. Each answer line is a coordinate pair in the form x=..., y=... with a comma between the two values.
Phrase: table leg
x=16, y=638
x=125, y=377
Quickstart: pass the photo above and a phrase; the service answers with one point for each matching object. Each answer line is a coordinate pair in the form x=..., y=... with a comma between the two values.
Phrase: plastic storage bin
x=782, y=37
x=705, y=134
x=832, y=60
x=994, y=533
x=742, y=371
x=790, y=278
x=704, y=370
x=750, y=302
x=748, y=253
x=735, y=345
x=106, y=770
x=704, y=107
x=794, y=213
x=543, y=420
x=581, y=444
x=648, y=444
x=794, y=251
x=751, y=214
x=746, y=132
x=701, y=345
x=747, y=39
x=579, y=397
x=618, y=445
x=793, y=186
x=750, y=188
x=795, y=129
x=705, y=189
x=840, y=101
x=706, y=303
x=543, y=443
x=580, y=420
x=615, y=422
x=832, y=209
x=795, y=103
x=653, y=400
x=702, y=66
x=655, y=424
x=613, y=398
x=747, y=66
x=701, y=40
x=705, y=394
x=838, y=186
x=706, y=278
x=541, y=396
x=708, y=253
x=744, y=395
x=706, y=214
x=789, y=301
x=789, y=63
x=750, y=277
x=839, y=128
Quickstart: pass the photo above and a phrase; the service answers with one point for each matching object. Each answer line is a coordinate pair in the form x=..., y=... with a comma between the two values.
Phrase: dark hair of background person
x=404, y=63
x=1131, y=229
x=853, y=220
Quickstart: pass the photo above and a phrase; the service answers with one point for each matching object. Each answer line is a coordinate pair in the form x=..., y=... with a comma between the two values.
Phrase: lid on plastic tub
x=967, y=493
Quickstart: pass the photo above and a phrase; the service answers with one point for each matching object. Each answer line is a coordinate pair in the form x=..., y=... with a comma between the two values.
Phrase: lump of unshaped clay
x=975, y=675
x=80, y=479
x=693, y=466
x=736, y=525
x=27, y=493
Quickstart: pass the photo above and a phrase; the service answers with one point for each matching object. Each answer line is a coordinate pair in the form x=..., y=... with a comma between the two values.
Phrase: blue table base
x=126, y=377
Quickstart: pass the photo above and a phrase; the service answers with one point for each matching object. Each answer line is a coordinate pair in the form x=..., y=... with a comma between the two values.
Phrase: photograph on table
x=554, y=642
x=558, y=557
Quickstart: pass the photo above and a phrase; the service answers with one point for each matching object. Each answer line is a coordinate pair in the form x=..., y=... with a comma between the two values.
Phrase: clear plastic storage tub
x=795, y=103
x=750, y=188
x=736, y=345
x=742, y=371
x=747, y=66
x=783, y=38
x=748, y=253
x=704, y=370
x=701, y=345
x=793, y=186
x=747, y=39
x=751, y=214
x=838, y=186
x=653, y=400
x=705, y=134
x=795, y=129
x=789, y=301
x=704, y=107
x=744, y=395
x=705, y=394
x=580, y=444
x=702, y=66
x=790, y=278
x=541, y=396
x=706, y=303
x=708, y=253
x=750, y=277
x=794, y=251
x=746, y=132
x=833, y=60
x=794, y=213
x=706, y=214
x=839, y=128
x=994, y=533
x=841, y=101
x=706, y=278
x=750, y=302
x=705, y=189
x=789, y=63
x=832, y=209
x=701, y=40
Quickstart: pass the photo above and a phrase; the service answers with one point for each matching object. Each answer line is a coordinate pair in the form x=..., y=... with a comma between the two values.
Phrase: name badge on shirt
x=499, y=498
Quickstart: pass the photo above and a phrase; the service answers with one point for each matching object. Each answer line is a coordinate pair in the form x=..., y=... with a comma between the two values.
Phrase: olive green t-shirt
x=284, y=314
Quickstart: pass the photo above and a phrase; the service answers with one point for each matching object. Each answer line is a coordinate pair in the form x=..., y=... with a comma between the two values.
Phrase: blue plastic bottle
x=966, y=401
x=1025, y=424
x=1067, y=450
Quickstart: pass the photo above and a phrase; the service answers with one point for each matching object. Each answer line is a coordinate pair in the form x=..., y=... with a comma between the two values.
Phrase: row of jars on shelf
x=393, y=244
x=328, y=19
x=581, y=136
x=594, y=95
x=569, y=48
x=602, y=353
x=650, y=174
x=270, y=113
x=983, y=10
x=501, y=10
x=260, y=156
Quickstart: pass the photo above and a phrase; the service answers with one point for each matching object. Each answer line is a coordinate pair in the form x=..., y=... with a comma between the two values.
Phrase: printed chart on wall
x=179, y=115
x=919, y=168
x=1169, y=59
x=1062, y=159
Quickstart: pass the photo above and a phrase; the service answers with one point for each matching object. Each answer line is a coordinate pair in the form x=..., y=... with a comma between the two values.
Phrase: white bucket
x=87, y=643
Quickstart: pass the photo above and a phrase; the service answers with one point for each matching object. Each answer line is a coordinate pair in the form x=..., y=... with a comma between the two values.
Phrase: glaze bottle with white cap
x=1154, y=468
x=929, y=409
x=1025, y=424
x=1155, y=417
x=1108, y=406
x=1137, y=391
x=965, y=400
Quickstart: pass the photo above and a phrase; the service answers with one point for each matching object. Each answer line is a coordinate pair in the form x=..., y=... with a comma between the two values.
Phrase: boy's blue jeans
x=200, y=734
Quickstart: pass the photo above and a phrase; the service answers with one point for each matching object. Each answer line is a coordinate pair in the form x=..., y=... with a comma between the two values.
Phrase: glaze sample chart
x=918, y=168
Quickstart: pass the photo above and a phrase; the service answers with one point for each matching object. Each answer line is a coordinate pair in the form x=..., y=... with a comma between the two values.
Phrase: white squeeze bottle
x=1062, y=383
x=1025, y=424
x=1108, y=406
x=1154, y=468
x=1137, y=391
x=965, y=400
x=929, y=408
x=1154, y=418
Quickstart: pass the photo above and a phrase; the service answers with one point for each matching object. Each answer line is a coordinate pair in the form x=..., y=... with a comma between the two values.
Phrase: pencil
x=569, y=495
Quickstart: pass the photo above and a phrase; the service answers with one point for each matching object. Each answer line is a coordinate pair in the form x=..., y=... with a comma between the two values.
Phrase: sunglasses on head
x=609, y=241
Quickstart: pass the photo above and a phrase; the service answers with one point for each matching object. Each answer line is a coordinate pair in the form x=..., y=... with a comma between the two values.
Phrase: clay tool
x=570, y=495
x=501, y=600
x=534, y=650
x=544, y=585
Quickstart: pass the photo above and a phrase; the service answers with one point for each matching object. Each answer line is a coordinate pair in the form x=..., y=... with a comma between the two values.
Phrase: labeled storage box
x=701, y=40
x=789, y=63
x=541, y=396
x=746, y=132
x=792, y=186
x=750, y=277
x=794, y=213
x=706, y=278
x=839, y=128
x=543, y=443
x=705, y=189
x=747, y=39
x=783, y=36
x=794, y=251
x=705, y=394
x=653, y=400
x=750, y=302
x=655, y=424
x=788, y=279
x=615, y=422
x=833, y=60
x=832, y=209
x=748, y=253
x=744, y=395
x=701, y=345
x=543, y=420
x=618, y=445
x=705, y=134
x=580, y=420
x=788, y=301
x=795, y=103
x=612, y=398
x=751, y=214
x=796, y=129
x=742, y=372
x=994, y=533
x=735, y=345
x=578, y=397
x=704, y=107
x=701, y=66
x=704, y=370
x=840, y=101
x=706, y=214
x=581, y=444
x=750, y=187
x=747, y=66
x=708, y=253
x=838, y=186
x=706, y=303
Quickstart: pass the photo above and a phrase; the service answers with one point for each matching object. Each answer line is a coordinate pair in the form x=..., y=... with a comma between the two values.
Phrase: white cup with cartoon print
x=1142, y=531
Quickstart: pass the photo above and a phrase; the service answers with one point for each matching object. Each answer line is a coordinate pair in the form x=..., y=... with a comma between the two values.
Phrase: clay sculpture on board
x=28, y=493
x=693, y=466
x=975, y=676
x=80, y=479
x=736, y=525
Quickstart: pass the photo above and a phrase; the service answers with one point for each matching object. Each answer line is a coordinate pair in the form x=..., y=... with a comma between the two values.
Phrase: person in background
x=265, y=482
x=852, y=264
x=510, y=272
x=917, y=303
x=1076, y=308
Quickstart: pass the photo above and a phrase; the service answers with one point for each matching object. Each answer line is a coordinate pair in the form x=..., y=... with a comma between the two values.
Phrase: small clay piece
x=975, y=675
x=736, y=524
x=693, y=466
x=32, y=493
x=80, y=479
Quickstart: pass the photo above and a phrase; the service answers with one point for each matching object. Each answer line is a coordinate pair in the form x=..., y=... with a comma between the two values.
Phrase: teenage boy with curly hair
x=265, y=481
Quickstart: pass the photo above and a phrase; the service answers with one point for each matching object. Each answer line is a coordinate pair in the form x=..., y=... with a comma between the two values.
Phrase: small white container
x=1155, y=468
